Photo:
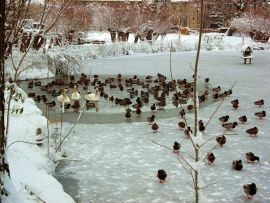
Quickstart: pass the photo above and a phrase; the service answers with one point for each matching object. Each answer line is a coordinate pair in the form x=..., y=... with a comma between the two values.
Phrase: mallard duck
x=153, y=107
x=37, y=98
x=243, y=119
x=138, y=111
x=182, y=113
x=128, y=114
x=31, y=94
x=235, y=103
x=251, y=157
x=76, y=105
x=55, y=93
x=175, y=103
x=111, y=98
x=67, y=106
x=155, y=127
x=181, y=125
x=151, y=119
x=224, y=119
x=217, y=89
x=253, y=131
x=221, y=140
x=235, y=106
x=176, y=147
x=162, y=175
x=229, y=92
x=260, y=114
x=190, y=107
x=237, y=165
x=259, y=103
x=161, y=104
x=30, y=84
x=37, y=83
x=51, y=104
x=201, y=126
x=211, y=158
x=187, y=132
x=229, y=125
x=250, y=190
x=44, y=98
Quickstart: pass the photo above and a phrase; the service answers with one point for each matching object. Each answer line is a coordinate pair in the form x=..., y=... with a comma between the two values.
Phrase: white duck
x=75, y=95
x=92, y=96
x=63, y=98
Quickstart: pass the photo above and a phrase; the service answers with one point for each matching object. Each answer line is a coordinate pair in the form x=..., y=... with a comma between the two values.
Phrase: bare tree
x=141, y=18
x=13, y=15
x=4, y=169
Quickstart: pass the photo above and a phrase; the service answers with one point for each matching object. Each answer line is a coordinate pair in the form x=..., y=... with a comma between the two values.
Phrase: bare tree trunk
x=196, y=106
x=4, y=168
x=113, y=35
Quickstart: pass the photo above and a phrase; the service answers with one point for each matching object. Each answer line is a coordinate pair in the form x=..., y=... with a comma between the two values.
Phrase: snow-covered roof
x=244, y=47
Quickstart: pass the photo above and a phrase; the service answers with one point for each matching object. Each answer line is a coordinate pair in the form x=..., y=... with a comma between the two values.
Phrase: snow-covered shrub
x=63, y=63
x=212, y=42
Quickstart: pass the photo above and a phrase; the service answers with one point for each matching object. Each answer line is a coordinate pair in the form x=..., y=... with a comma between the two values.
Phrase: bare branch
x=177, y=154
x=208, y=185
x=207, y=141
x=77, y=121
x=213, y=147
x=217, y=108
x=17, y=141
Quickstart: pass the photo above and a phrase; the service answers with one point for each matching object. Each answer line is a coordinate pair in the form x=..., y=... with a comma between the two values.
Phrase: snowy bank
x=31, y=171
x=68, y=59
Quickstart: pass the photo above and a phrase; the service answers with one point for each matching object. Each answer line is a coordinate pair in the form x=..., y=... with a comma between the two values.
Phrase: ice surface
x=118, y=162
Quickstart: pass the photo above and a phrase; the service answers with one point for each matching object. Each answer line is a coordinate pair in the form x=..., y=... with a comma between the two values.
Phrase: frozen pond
x=117, y=162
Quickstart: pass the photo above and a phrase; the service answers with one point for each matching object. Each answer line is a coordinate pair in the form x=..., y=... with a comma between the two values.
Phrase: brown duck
x=76, y=105
x=217, y=89
x=138, y=111
x=187, y=132
x=250, y=190
x=201, y=126
x=243, y=119
x=190, y=107
x=154, y=127
x=235, y=103
x=181, y=125
x=153, y=107
x=221, y=140
x=151, y=119
x=176, y=147
x=162, y=175
x=224, y=119
x=229, y=125
x=128, y=114
x=211, y=158
x=251, y=157
x=253, y=131
x=260, y=114
x=237, y=165
x=259, y=103
x=51, y=104
x=182, y=113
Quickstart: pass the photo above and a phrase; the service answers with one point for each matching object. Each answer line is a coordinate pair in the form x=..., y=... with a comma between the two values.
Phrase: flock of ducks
x=249, y=189
x=159, y=89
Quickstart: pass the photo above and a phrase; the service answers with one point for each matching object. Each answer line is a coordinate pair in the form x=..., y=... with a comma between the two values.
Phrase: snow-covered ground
x=30, y=168
x=70, y=57
x=118, y=162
